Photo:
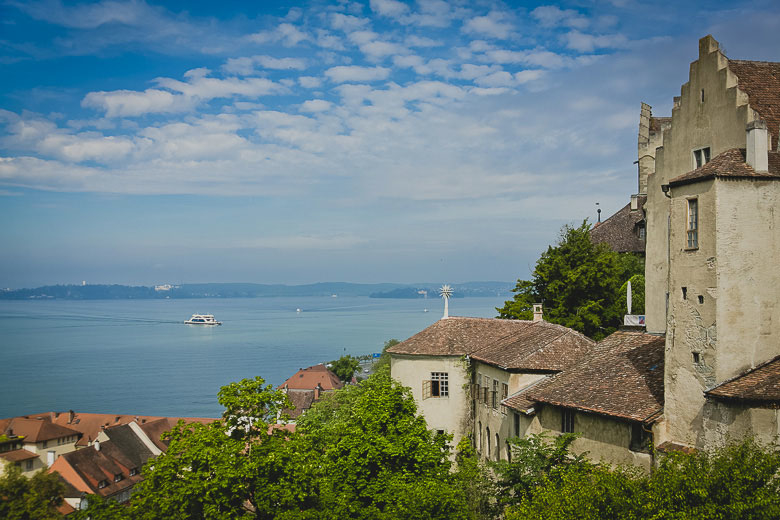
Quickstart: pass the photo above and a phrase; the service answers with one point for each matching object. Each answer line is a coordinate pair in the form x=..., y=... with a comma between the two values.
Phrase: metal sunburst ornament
x=446, y=292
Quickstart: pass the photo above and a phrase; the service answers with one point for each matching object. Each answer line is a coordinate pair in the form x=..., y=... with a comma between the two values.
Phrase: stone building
x=712, y=287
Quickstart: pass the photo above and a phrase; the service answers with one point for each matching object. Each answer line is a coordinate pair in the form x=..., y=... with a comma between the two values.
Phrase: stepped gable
x=657, y=123
x=624, y=378
x=619, y=231
x=537, y=346
x=309, y=378
x=36, y=430
x=760, y=80
x=457, y=336
x=730, y=164
x=759, y=385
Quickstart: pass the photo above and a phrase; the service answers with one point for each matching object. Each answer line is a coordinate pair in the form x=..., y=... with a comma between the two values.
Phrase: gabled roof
x=301, y=401
x=458, y=336
x=309, y=378
x=36, y=430
x=624, y=378
x=729, y=164
x=619, y=231
x=18, y=455
x=536, y=346
x=759, y=385
x=761, y=81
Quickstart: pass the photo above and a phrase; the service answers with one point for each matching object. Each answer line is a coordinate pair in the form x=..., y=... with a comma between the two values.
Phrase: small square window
x=701, y=299
x=696, y=358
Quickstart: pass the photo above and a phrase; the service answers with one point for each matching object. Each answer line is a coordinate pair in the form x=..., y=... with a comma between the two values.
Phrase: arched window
x=498, y=448
x=487, y=431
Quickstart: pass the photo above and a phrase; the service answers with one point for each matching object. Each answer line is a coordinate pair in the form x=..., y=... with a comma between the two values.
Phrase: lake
x=138, y=357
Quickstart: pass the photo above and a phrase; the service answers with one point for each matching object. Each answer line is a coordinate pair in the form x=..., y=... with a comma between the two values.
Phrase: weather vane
x=446, y=292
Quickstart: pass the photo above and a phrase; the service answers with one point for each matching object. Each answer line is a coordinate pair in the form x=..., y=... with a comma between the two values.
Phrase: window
x=684, y=293
x=487, y=438
x=508, y=451
x=45, y=444
x=701, y=157
x=498, y=447
x=567, y=421
x=439, y=384
x=696, y=358
x=479, y=431
x=133, y=472
x=640, y=438
x=517, y=424
x=504, y=395
x=28, y=465
x=102, y=484
x=495, y=393
x=701, y=299
x=118, y=477
x=693, y=223
x=436, y=386
x=485, y=389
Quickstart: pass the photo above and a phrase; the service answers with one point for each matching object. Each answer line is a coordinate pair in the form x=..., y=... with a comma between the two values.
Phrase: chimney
x=757, y=147
x=538, y=312
x=97, y=445
x=317, y=391
x=70, y=416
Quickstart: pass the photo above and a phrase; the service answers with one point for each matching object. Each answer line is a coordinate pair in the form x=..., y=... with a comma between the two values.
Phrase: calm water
x=137, y=357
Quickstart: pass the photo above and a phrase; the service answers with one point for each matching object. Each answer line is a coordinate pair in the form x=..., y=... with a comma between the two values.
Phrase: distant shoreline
x=250, y=290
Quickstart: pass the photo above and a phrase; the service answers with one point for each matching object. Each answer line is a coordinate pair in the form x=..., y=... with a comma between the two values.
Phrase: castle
x=707, y=367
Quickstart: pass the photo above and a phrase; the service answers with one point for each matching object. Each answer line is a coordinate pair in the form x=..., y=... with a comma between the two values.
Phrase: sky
x=363, y=141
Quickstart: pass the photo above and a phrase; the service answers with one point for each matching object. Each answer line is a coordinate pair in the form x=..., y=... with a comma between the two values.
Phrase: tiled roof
x=308, y=378
x=458, y=336
x=536, y=346
x=619, y=231
x=519, y=401
x=761, y=81
x=37, y=430
x=731, y=164
x=90, y=424
x=301, y=401
x=761, y=384
x=18, y=455
x=624, y=378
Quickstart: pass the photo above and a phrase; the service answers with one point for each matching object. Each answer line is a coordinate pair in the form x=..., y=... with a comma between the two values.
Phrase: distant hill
x=251, y=290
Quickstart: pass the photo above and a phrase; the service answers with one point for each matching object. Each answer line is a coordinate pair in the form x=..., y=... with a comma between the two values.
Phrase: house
x=463, y=371
x=306, y=386
x=110, y=467
x=42, y=441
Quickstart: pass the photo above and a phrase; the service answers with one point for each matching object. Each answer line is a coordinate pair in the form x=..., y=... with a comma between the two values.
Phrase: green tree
x=34, y=498
x=372, y=456
x=578, y=283
x=384, y=358
x=99, y=508
x=232, y=468
x=345, y=367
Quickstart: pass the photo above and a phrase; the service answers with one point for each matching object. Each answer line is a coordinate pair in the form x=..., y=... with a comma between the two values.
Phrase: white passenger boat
x=203, y=319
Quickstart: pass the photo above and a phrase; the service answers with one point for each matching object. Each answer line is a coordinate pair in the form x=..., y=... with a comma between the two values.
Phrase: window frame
x=692, y=224
x=567, y=420
x=701, y=156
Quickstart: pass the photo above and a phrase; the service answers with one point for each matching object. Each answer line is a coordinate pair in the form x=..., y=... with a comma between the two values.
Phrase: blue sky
x=365, y=141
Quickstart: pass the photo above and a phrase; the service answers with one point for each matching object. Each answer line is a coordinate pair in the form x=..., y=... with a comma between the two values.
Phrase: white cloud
x=494, y=25
x=422, y=41
x=129, y=103
x=347, y=23
x=497, y=79
x=89, y=16
x=285, y=33
x=316, y=105
x=310, y=81
x=525, y=76
x=354, y=73
x=552, y=16
x=588, y=43
x=389, y=8
x=470, y=71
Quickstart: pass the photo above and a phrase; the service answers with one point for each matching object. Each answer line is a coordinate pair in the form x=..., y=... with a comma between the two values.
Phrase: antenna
x=446, y=292
x=598, y=210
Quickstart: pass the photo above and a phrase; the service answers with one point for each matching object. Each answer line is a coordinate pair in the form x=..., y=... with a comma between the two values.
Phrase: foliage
x=475, y=482
x=99, y=508
x=536, y=459
x=345, y=367
x=739, y=481
x=34, y=498
x=578, y=283
x=372, y=456
x=233, y=468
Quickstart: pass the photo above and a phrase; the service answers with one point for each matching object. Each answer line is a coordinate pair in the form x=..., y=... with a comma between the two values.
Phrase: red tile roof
x=759, y=385
x=308, y=378
x=18, y=455
x=458, y=336
x=36, y=430
x=761, y=81
x=536, y=346
x=730, y=164
x=624, y=378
